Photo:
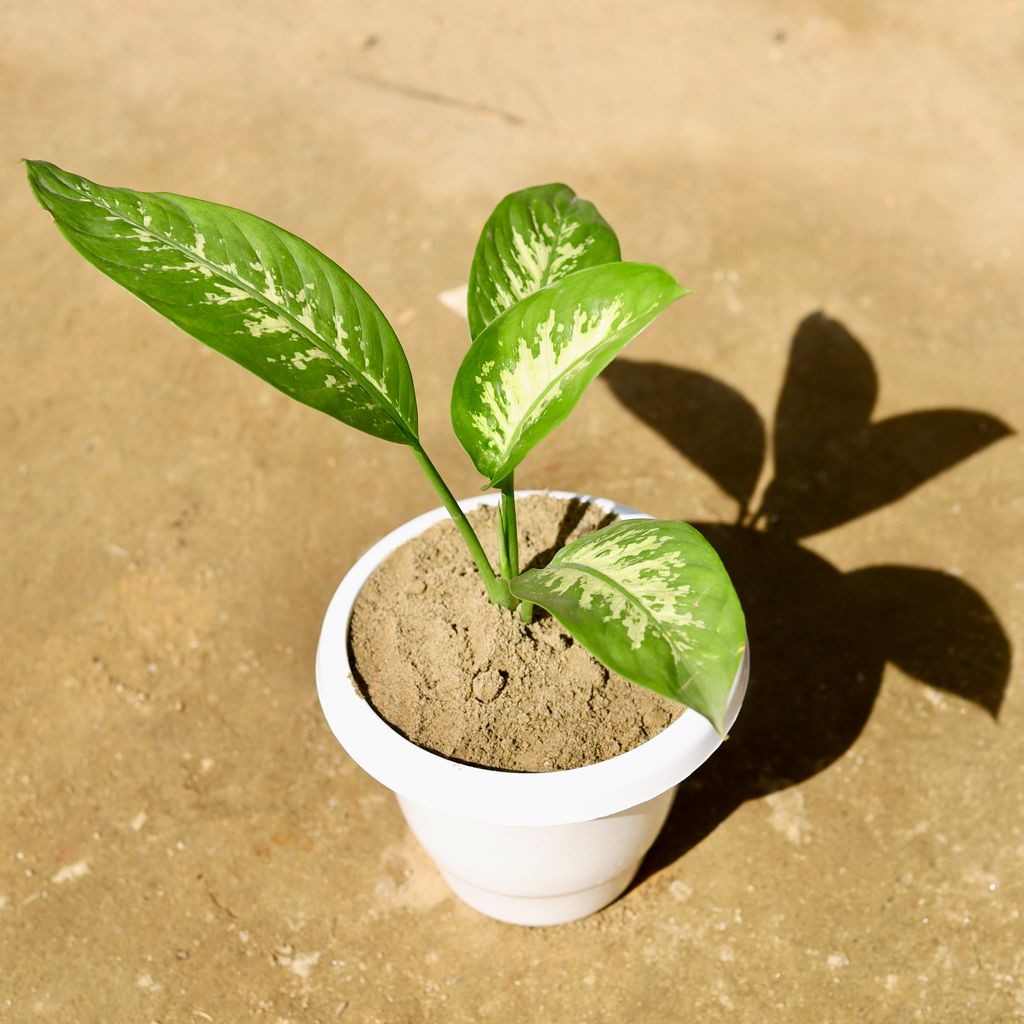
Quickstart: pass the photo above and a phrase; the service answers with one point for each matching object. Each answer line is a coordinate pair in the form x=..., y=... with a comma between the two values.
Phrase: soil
x=467, y=679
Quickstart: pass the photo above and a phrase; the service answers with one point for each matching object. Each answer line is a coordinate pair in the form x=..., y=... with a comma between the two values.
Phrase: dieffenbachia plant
x=550, y=304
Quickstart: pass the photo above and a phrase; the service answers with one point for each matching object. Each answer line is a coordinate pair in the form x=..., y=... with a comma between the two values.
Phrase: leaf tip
x=37, y=169
x=41, y=175
x=714, y=716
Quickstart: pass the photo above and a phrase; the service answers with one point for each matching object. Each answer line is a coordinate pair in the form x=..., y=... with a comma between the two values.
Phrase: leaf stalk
x=497, y=589
x=508, y=539
x=509, y=533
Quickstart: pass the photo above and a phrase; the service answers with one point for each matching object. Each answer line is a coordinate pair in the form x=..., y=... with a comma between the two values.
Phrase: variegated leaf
x=527, y=369
x=533, y=238
x=652, y=601
x=252, y=291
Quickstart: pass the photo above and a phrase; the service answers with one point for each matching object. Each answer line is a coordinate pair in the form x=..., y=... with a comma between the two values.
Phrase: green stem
x=509, y=530
x=503, y=561
x=497, y=590
x=510, y=539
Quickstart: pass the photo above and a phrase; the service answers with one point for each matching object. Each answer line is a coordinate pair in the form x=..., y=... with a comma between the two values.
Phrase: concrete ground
x=184, y=841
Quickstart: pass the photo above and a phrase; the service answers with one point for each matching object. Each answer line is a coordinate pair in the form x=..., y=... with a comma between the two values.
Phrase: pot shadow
x=820, y=638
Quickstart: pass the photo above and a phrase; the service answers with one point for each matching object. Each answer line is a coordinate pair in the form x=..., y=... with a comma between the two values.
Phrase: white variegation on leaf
x=250, y=290
x=652, y=601
x=533, y=238
x=524, y=373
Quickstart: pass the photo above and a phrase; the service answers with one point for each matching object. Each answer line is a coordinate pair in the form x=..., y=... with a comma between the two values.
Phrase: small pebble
x=488, y=685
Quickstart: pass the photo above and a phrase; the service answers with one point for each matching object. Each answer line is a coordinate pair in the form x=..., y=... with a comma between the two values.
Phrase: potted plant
x=550, y=304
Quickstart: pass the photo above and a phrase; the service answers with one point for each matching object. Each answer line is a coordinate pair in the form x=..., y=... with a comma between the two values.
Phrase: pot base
x=539, y=875
x=542, y=910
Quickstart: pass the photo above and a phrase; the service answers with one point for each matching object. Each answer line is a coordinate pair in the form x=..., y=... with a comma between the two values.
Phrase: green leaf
x=252, y=291
x=527, y=369
x=651, y=601
x=534, y=237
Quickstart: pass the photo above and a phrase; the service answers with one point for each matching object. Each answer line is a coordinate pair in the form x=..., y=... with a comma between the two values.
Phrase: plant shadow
x=575, y=510
x=820, y=638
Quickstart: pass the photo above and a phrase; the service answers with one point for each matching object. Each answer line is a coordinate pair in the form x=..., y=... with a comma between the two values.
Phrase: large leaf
x=254, y=292
x=527, y=369
x=534, y=237
x=652, y=601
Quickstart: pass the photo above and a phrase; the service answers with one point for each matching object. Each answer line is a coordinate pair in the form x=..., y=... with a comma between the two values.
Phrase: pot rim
x=490, y=794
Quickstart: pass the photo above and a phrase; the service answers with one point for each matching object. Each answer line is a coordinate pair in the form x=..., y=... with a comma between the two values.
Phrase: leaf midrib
x=561, y=221
x=544, y=280
x=614, y=585
x=299, y=328
x=506, y=451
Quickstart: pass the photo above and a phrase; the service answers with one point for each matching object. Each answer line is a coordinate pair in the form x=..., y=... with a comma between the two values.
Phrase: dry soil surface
x=183, y=839
x=468, y=679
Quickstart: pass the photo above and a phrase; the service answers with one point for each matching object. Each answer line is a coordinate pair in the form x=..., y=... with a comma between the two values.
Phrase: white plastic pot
x=534, y=848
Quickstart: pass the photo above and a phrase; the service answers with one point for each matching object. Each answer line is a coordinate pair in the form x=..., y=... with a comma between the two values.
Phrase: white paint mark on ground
x=680, y=890
x=300, y=964
x=788, y=816
x=70, y=872
x=934, y=698
x=456, y=299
